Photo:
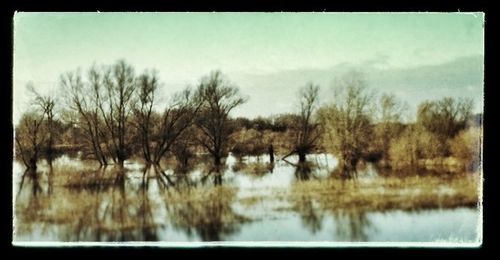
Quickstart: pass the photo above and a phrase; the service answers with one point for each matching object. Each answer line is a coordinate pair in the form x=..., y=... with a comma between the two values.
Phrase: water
x=251, y=201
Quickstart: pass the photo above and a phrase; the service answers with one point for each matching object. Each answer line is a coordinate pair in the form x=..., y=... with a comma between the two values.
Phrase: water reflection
x=352, y=225
x=311, y=215
x=204, y=204
x=110, y=206
x=303, y=171
x=206, y=212
x=111, y=212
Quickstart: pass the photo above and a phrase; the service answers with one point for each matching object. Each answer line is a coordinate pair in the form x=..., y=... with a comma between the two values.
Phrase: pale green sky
x=186, y=46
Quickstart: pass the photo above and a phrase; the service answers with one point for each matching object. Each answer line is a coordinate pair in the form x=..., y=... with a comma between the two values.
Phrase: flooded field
x=249, y=200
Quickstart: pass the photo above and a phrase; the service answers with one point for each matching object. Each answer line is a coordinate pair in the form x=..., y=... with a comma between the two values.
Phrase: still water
x=249, y=201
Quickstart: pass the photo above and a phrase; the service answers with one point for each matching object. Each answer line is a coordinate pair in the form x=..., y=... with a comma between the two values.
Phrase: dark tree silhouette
x=116, y=107
x=307, y=131
x=84, y=100
x=158, y=133
x=219, y=97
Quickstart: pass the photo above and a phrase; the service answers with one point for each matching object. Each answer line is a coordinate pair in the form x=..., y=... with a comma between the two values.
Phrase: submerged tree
x=160, y=132
x=30, y=137
x=306, y=130
x=145, y=118
x=84, y=99
x=46, y=105
x=116, y=108
x=35, y=133
x=184, y=146
x=347, y=122
x=219, y=97
x=104, y=106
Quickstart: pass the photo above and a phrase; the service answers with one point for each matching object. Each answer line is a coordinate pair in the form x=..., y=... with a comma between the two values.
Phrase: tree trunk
x=271, y=153
x=121, y=163
x=302, y=157
x=217, y=160
x=217, y=179
x=32, y=164
x=185, y=161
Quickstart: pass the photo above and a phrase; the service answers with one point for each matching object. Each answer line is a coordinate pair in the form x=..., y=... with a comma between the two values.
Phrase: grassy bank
x=408, y=193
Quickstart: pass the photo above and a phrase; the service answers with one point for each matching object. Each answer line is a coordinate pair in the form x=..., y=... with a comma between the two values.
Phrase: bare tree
x=116, y=107
x=305, y=130
x=85, y=99
x=348, y=121
x=219, y=98
x=184, y=147
x=30, y=137
x=35, y=132
x=177, y=117
x=46, y=105
x=159, y=132
x=143, y=112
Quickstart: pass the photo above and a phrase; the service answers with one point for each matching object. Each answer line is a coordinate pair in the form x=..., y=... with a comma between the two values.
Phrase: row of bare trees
x=121, y=114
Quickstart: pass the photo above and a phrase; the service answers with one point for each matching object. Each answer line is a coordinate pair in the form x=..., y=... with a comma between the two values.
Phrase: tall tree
x=84, y=98
x=145, y=117
x=219, y=97
x=305, y=130
x=116, y=108
x=159, y=132
x=46, y=105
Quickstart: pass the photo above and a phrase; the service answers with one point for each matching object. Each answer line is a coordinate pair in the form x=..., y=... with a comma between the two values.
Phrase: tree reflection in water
x=311, y=215
x=103, y=211
x=206, y=210
x=303, y=171
x=119, y=212
x=110, y=205
x=351, y=225
x=31, y=201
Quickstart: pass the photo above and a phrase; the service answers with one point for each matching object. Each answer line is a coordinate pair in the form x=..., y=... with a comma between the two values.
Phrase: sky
x=269, y=56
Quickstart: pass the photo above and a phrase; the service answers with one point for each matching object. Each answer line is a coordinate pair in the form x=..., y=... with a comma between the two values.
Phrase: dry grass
x=408, y=193
x=251, y=201
x=200, y=194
